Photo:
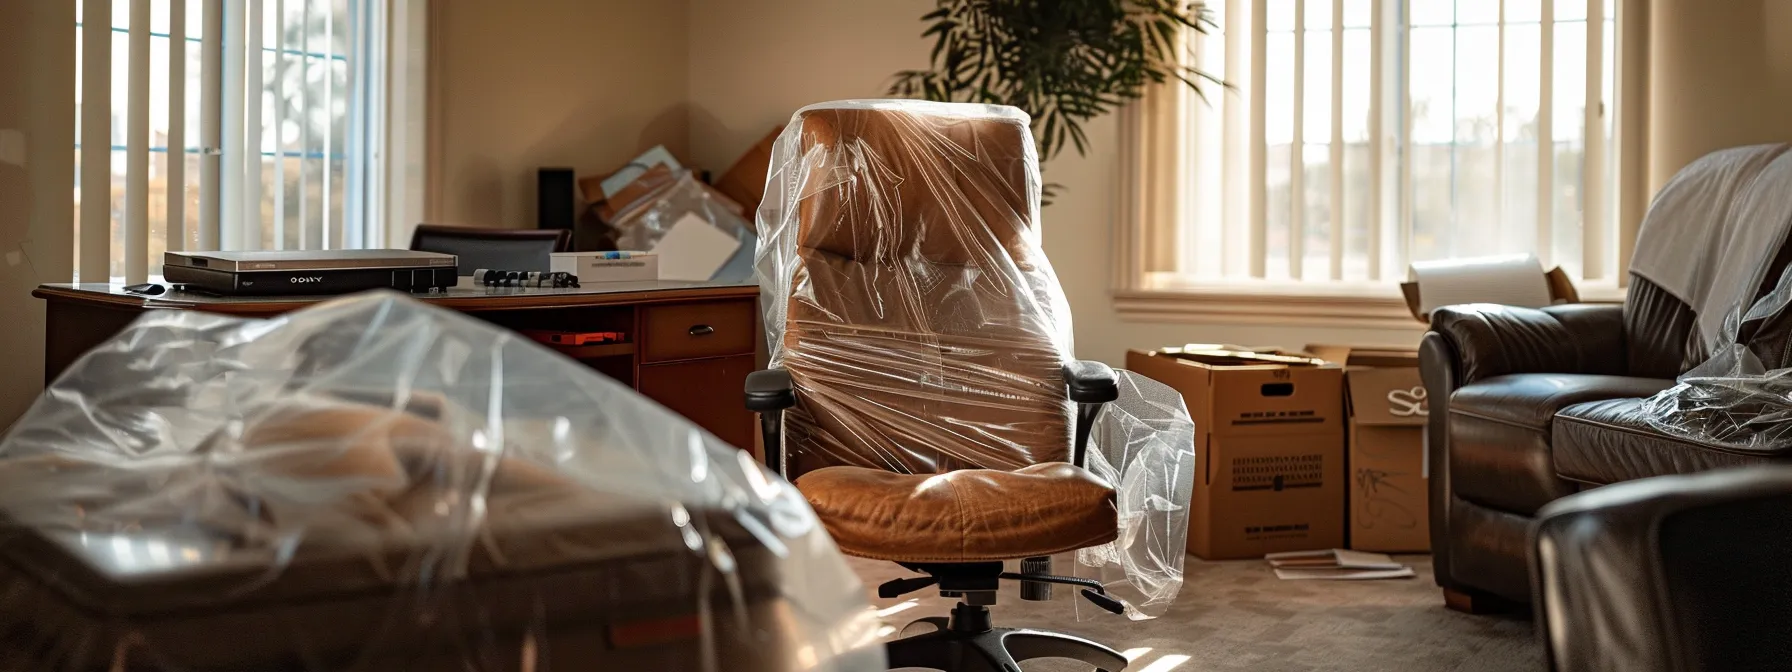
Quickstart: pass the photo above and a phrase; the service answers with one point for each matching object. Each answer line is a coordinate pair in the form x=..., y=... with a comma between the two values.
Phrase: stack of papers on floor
x=1336, y=565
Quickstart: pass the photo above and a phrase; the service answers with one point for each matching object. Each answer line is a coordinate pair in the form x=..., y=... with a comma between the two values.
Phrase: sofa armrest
x=1667, y=573
x=1491, y=340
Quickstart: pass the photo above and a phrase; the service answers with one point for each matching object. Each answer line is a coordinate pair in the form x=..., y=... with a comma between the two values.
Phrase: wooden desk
x=671, y=358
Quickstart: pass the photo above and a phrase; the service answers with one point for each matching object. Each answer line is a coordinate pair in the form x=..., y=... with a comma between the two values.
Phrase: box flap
x=1383, y=356
x=1248, y=395
x=1386, y=396
x=1222, y=356
x=745, y=180
x=1561, y=288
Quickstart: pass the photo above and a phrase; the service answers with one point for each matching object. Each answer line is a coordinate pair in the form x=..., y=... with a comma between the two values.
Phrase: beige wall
x=523, y=84
x=753, y=62
x=37, y=111
x=1720, y=75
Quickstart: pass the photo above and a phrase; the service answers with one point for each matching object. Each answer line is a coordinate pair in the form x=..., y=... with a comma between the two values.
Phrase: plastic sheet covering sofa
x=376, y=484
x=921, y=358
x=1688, y=374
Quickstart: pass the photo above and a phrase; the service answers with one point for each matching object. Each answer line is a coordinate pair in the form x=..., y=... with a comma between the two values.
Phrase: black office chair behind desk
x=497, y=249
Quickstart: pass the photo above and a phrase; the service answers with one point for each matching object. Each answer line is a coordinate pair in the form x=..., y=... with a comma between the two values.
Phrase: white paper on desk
x=1513, y=280
x=693, y=249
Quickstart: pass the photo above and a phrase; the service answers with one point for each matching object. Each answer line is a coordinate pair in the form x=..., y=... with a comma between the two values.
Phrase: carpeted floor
x=1239, y=616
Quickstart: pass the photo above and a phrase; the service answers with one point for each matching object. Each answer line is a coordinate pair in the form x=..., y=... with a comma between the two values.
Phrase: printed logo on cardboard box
x=1408, y=403
x=1278, y=472
x=1386, y=397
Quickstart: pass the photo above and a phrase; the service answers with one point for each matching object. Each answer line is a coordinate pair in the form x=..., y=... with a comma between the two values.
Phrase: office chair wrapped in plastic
x=922, y=392
x=377, y=484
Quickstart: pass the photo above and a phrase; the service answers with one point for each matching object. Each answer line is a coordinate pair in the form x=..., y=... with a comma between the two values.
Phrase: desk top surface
x=461, y=298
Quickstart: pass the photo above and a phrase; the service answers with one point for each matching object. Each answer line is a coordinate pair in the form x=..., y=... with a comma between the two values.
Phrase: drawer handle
x=702, y=330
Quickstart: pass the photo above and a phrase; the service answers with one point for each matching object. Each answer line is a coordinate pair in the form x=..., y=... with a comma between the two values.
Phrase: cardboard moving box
x=1269, y=447
x=1389, y=493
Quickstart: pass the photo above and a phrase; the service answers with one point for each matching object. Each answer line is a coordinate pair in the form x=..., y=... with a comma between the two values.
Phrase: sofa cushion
x=1500, y=433
x=1611, y=441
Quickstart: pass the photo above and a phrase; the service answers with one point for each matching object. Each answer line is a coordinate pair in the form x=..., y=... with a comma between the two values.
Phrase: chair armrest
x=770, y=390
x=1090, y=382
x=1090, y=385
x=768, y=393
x=1491, y=340
x=1667, y=573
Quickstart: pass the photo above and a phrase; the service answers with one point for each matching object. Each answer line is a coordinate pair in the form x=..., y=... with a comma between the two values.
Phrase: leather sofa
x=1532, y=405
x=1680, y=573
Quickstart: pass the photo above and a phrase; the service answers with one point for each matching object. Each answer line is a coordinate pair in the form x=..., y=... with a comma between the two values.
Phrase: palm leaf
x=1065, y=62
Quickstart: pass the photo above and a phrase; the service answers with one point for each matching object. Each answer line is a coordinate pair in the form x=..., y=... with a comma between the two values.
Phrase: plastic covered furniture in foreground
x=376, y=484
x=923, y=394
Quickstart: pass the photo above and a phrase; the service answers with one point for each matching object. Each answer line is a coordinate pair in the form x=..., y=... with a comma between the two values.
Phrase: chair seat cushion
x=1500, y=444
x=962, y=516
x=1611, y=441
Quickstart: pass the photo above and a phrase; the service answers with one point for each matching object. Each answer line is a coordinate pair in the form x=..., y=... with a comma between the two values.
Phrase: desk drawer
x=694, y=330
x=709, y=393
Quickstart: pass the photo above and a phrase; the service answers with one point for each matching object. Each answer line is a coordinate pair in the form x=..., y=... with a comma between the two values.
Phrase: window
x=226, y=124
x=1363, y=135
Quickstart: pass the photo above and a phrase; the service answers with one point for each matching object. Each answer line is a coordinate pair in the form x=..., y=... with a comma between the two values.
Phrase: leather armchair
x=1680, y=573
x=1513, y=367
x=1532, y=405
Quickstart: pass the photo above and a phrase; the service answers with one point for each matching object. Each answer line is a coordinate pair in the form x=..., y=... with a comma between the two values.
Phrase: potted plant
x=1064, y=62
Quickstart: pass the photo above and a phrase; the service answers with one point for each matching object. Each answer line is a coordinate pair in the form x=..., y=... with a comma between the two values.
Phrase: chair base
x=968, y=643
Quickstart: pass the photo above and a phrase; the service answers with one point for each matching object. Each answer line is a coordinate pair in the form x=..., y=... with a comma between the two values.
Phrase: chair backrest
x=497, y=249
x=922, y=325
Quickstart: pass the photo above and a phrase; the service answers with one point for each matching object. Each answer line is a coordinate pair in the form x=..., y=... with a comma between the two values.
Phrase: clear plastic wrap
x=1740, y=396
x=1734, y=399
x=683, y=198
x=906, y=292
x=1144, y=444
x=376, y=484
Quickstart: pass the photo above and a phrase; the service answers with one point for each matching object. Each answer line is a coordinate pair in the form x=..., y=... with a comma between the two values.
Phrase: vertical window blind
x=226, y=124
x=1363, y=135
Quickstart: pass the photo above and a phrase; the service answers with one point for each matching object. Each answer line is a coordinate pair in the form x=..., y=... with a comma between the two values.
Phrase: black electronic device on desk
x=309, y=272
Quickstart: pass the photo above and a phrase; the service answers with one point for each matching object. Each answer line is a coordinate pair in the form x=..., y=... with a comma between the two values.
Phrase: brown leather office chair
x=496, y=249
x=922, y=397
